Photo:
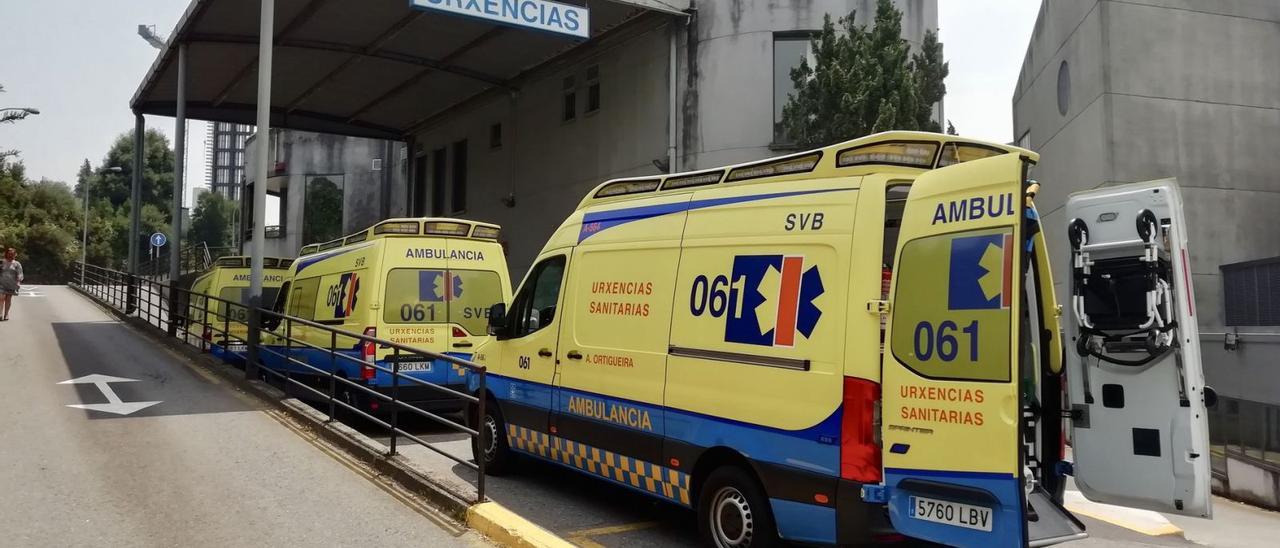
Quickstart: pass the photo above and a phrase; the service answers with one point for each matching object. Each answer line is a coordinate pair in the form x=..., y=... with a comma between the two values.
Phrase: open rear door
x=953, y=465
x=1140, y=433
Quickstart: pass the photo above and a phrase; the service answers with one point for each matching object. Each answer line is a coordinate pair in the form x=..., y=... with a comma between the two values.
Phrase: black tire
x=733, y=511
x=498, y=458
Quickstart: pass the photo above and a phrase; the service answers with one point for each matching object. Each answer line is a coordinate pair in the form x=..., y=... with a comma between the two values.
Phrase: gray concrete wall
x=727, y=109
x=306, y=155
x=725, y=97
x=1169, y=89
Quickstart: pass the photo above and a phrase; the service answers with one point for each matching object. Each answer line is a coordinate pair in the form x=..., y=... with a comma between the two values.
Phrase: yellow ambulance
x=226, y=326
x=425, y=283
x=714, y=339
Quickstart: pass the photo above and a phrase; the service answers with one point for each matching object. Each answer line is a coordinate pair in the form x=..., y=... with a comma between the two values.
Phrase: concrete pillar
x=179, y=162
x=266, y=34
x=135, y=210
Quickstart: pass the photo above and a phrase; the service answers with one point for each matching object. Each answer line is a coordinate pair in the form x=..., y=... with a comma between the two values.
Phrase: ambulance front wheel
x=734, y=513
x=491, y=444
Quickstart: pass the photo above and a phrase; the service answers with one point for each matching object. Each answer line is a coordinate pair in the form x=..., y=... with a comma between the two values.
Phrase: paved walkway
x=203, y=467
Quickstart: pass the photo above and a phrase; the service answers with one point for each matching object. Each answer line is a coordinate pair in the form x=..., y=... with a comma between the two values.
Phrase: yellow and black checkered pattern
x=667, y=483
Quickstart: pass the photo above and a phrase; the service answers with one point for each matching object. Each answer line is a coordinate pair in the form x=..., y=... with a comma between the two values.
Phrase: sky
x=80, y=62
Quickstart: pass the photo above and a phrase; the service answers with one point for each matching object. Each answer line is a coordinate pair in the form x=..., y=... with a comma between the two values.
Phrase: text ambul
x=972, y=209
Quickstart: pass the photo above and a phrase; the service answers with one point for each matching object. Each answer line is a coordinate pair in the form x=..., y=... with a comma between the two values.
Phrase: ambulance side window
x=535, y=306
x=302, y=302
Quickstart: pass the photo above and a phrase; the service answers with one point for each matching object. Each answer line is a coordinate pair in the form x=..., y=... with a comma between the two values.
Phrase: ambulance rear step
x=1048, y=523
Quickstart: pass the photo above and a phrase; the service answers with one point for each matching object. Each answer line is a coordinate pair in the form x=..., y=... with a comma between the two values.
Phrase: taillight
x=859, y=436
x=458, y=332
x=208, y=333
x=368, y=350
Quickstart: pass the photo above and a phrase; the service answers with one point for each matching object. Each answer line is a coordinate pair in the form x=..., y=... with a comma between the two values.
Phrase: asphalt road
x=206, y=466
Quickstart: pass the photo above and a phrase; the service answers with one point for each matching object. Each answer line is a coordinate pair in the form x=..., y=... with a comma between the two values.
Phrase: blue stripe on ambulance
x=596, y=221
x=812, y=449
x=274, y=357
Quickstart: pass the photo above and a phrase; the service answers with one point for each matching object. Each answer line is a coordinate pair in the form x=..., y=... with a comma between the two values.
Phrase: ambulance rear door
x=953, y=469
x=1140, y=434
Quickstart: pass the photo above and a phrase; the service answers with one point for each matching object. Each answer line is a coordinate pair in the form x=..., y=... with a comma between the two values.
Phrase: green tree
x=864, y=80
x=211, y=220
x=40, y=220
x=110, y=196
x=322, y=218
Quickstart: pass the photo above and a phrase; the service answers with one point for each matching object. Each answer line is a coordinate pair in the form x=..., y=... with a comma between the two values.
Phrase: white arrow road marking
x=29, y=291
x=114, y=403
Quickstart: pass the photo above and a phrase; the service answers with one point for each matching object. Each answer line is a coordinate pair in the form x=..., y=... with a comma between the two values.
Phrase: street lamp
x=84, y=235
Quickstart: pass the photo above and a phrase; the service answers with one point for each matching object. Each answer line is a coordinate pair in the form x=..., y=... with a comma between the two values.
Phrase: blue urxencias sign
x=533, y=14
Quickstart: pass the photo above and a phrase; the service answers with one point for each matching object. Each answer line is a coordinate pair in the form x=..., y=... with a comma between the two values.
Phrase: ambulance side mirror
x=498, y=320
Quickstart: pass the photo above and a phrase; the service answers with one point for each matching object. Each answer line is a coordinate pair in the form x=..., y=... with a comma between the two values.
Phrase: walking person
x=10, y=281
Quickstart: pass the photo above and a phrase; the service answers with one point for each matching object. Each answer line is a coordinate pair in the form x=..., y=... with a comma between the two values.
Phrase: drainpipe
x=673, y=97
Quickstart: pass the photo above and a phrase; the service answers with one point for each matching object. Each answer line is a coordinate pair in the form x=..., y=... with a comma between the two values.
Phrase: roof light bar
x=357, y=237
x=400, y=227
x=486, y=232
x=895, y=153
x=773, y=168
x=697, y=179
x=445, y=228
x=622, y=188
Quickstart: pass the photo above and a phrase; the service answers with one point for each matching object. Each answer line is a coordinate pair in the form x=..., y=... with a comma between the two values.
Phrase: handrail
x=176, y=311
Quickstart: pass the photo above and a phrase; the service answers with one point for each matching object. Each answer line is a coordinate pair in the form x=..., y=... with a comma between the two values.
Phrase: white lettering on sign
x=535, y=14
x=437, y=253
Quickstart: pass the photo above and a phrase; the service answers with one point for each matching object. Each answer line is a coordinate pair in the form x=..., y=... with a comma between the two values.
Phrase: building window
x=439, y=157
x=570, y=111
x=593, y=88
x=322, y=209
x=1251, y=293
x=1064, y=88
x=789, y=50
x=495, y=136
x=458, y=195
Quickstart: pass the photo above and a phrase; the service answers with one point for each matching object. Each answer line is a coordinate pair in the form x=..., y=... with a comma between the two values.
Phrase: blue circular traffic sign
x=158, y=239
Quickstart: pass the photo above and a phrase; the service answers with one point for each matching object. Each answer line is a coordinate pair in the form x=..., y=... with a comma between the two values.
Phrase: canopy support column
x=135, y=192
x=266, y=33
x=179, y=184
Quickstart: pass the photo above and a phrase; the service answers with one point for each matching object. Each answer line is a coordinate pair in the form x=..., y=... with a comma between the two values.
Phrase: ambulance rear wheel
x=734, y=513
x=492, y=445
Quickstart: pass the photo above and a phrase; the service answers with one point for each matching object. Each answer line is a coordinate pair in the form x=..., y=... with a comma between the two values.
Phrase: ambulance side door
x=530, y=343
x=951, y=394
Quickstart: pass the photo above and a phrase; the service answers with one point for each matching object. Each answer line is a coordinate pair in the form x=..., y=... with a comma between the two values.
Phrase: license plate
x=415, y=366
x=237, y=348
x=951, y=513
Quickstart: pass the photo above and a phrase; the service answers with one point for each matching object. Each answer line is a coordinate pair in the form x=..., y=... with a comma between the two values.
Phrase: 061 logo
x=342, y=295
x=765, y=300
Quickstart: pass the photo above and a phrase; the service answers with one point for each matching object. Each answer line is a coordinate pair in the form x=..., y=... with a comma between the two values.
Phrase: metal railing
x=1244, y=429
x=209, y=322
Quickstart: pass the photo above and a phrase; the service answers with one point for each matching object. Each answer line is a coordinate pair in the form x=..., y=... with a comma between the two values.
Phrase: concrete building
x=524, y=154
x=1118, y=91
x=224, y=157
x=324, y=186
x=604, y=109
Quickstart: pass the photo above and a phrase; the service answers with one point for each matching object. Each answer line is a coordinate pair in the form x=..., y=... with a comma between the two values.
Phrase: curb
x=496, y=522
x=510, y=529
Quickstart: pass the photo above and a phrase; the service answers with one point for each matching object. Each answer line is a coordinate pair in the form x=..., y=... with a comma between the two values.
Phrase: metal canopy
x=367, y=68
